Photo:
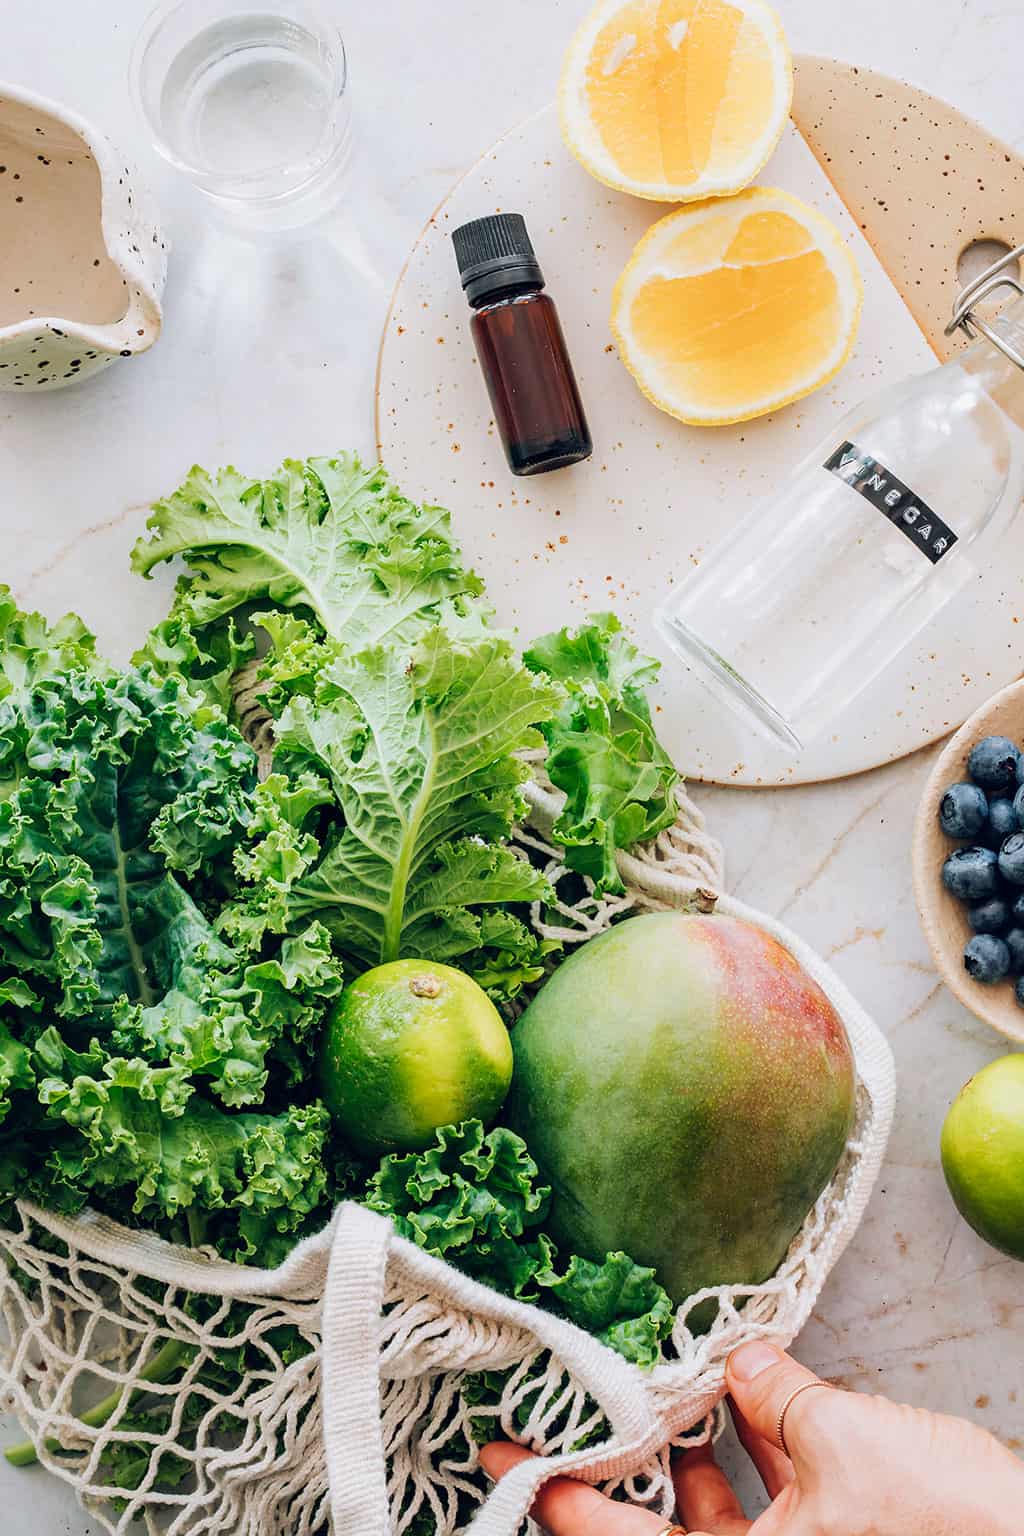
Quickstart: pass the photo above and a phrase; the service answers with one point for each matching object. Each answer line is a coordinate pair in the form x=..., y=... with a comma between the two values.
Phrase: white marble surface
x=271, y=350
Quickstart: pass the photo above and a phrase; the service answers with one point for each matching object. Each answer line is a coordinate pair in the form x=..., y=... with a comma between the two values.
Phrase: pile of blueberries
x=988, y=876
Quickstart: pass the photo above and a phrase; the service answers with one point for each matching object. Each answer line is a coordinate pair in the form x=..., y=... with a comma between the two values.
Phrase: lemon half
x=676, y=99
x=728, y=310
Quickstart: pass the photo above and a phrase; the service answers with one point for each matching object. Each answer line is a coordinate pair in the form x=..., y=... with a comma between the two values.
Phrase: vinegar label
x=893, y=499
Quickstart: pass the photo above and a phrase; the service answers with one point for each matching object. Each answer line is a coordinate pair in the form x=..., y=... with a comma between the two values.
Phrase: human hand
x=850, y=1465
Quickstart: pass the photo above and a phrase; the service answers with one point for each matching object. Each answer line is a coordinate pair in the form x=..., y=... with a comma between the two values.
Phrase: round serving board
x=617, y=532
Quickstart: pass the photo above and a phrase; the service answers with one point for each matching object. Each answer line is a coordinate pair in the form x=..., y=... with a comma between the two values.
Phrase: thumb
x=761, y=1380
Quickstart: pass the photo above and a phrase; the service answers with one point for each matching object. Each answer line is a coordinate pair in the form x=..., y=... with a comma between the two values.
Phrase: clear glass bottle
x=816, y=590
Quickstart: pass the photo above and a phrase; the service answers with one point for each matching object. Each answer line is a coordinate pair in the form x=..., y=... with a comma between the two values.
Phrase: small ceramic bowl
x=943, y=918
x=82, y=260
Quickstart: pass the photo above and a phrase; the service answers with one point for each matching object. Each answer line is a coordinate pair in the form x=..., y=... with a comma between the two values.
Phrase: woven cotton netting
x=91, y=1311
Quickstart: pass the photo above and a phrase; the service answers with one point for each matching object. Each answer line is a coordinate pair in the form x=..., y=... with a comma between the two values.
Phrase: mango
x=687, y=1090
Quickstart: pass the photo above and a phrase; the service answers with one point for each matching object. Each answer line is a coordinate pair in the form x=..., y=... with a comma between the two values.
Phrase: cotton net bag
x=372, y=1430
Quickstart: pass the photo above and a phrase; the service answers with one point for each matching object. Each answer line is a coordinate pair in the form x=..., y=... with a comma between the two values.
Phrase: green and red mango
x=688, y=1091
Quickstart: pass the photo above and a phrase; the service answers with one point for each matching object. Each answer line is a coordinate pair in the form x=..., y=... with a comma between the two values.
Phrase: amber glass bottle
x=519, y=341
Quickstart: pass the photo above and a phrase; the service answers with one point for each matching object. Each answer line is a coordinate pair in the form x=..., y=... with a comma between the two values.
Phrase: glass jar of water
x=251, y=102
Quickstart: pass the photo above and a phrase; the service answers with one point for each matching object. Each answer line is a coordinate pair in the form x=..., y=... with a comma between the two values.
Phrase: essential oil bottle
x=519, y=341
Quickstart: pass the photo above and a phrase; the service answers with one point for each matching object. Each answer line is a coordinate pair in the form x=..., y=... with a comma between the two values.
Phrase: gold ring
x=780, y=1426
x=672, y=1530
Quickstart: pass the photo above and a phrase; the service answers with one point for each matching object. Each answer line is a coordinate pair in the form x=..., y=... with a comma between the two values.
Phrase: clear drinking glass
x=816, y=590
x=251, y=103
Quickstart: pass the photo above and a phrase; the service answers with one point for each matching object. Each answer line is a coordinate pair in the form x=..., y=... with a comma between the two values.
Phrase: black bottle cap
x=495, y=254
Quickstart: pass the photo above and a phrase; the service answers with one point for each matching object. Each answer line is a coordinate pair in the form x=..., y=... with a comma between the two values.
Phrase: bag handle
x=506, y=1508
x=350, y=1372
x=351, y=1395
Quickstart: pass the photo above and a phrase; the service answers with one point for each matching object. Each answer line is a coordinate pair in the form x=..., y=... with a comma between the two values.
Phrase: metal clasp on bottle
x=964, y=317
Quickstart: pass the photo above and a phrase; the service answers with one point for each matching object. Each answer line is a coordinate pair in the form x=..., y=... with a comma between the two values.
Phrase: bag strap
x=350, y=1372
x=351, y=1395
x=505, y=1510
x=637, y=1434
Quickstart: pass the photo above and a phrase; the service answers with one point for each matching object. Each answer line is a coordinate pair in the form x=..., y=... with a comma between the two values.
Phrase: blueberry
x=1020, y=769
x=972, y=874
x=1017, y=912
x=1002, y=821
x=963, y=811
x=1014, y=941
x=1019, y=990
x=991, y=916
x=986, y=958
x=993, y=763
x=1018, y=805
x=1011, y=859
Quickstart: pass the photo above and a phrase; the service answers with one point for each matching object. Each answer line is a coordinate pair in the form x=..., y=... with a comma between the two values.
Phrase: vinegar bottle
x=862, y=545
x=522, y=351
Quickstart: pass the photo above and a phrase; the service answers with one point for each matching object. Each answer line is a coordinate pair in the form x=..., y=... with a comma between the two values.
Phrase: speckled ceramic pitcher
x=82, y=260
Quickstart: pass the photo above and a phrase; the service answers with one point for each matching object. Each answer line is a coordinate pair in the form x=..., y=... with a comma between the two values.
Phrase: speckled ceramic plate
x=618, y=531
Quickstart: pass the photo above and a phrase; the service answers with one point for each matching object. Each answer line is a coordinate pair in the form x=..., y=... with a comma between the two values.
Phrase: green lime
x=983, y=1154
x=409, y=1047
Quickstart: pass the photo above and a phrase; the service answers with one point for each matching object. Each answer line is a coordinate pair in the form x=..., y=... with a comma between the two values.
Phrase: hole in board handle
x=979, y=254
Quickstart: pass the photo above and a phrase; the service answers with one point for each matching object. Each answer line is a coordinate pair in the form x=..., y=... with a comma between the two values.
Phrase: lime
x=983, y=1154
x=409, y=1047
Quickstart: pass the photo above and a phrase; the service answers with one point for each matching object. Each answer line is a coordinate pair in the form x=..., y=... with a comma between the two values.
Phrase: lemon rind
x=841, y=260
x=598, y=162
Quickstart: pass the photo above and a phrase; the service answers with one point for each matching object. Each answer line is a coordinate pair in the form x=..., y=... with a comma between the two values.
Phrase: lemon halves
x=676, y=99
x=729, y=309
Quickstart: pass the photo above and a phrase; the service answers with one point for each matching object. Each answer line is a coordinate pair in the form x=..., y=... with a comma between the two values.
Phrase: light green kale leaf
x=618, y=780
x=31, y=651
x=325, y=536
x=31, y=648
x=208, y=662
x=419, y=750
x=511, y=955
x=142, y=1129
x=225, y=1020
x=470, y=1199
x=281, y=847
x=617, y=1300
x=477, y=1201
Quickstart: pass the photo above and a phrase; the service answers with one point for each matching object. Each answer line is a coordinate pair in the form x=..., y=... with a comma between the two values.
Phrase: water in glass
x=249, y=97
x=252, y=104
